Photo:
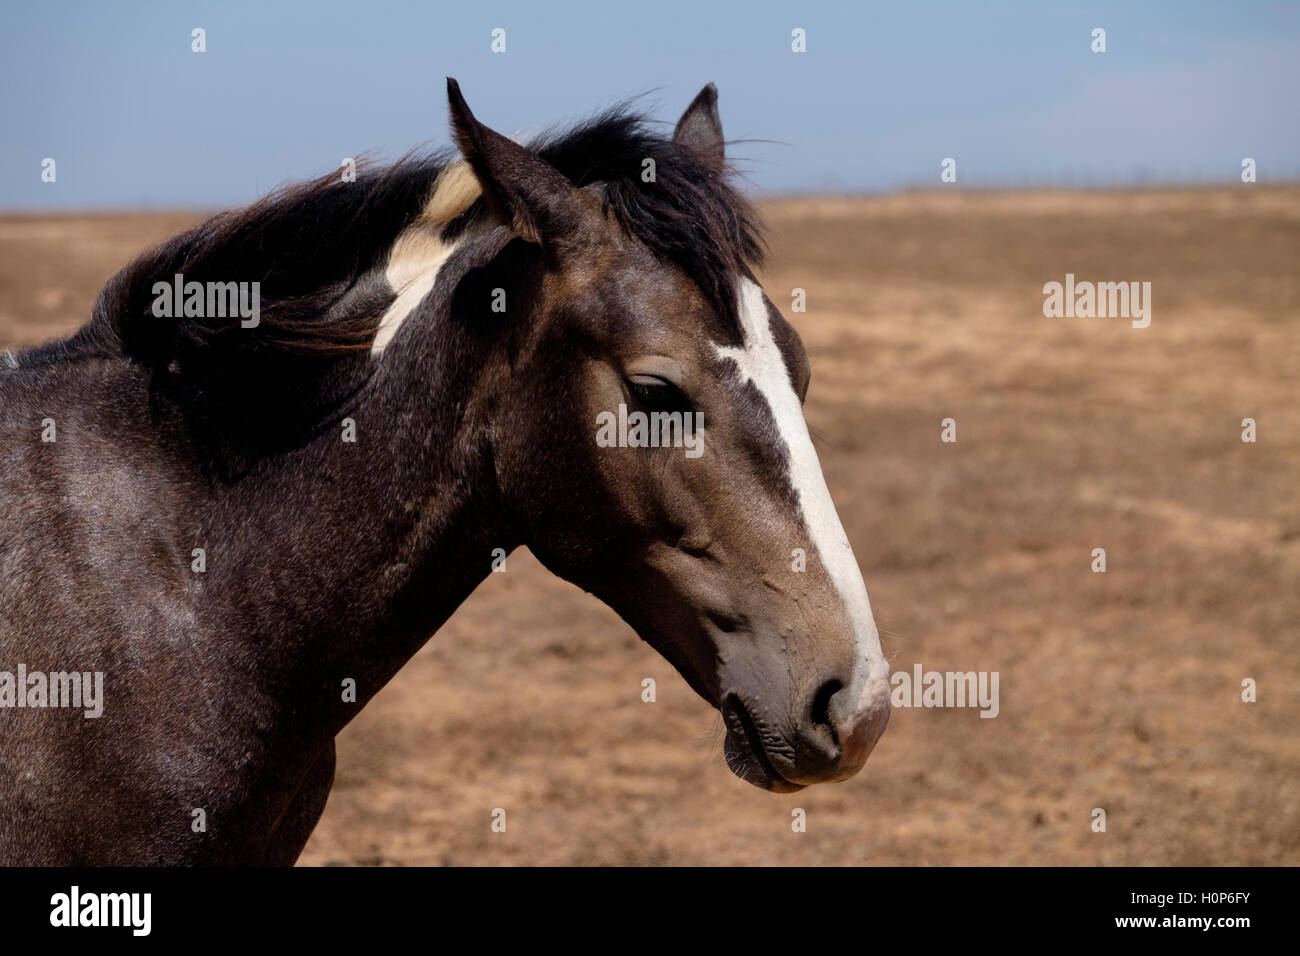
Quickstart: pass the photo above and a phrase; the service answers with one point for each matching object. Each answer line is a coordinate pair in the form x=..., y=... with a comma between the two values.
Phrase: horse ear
x=540, y=204
x=700, y=128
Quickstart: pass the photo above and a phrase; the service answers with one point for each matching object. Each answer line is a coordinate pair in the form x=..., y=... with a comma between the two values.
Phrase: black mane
x=691, y=215
x=311, y=245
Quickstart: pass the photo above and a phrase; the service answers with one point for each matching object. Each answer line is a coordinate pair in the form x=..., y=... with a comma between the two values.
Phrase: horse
x=236, y=525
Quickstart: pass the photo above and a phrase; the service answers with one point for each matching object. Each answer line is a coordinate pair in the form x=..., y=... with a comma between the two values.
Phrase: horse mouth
x=744, y=751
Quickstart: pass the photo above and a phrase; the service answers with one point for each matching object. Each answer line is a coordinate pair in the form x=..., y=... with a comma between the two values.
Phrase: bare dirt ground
x=1118, y=690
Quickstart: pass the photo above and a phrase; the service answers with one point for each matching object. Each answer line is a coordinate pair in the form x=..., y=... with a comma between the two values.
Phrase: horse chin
x=754, y=768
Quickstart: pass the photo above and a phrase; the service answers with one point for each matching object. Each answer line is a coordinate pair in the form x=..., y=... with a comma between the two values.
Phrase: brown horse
x=224, y=515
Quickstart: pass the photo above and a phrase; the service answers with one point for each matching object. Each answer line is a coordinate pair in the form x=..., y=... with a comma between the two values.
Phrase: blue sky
x=884, y=92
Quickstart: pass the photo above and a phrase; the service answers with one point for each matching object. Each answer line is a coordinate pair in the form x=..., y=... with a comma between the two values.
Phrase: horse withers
x=230, y=518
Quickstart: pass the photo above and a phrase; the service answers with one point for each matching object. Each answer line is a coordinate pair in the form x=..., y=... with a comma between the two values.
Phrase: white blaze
x=761, y=362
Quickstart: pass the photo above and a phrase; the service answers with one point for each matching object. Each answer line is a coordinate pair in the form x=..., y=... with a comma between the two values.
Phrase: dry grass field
x=1118, y=690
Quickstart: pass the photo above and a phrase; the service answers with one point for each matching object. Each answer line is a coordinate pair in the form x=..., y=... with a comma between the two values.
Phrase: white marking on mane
x=761, y=362
x=420, y=252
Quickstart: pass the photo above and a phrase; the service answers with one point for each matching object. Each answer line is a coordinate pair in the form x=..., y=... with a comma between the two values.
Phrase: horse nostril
x=726, y=623
x=837, y=730
x=821, y=709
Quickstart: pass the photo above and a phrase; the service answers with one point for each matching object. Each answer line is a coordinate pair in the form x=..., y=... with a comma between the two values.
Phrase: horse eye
x=656, y=393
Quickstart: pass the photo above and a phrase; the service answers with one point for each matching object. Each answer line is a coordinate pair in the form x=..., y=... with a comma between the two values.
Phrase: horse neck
x=347, y=556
